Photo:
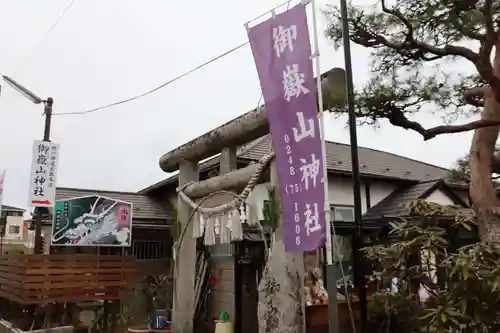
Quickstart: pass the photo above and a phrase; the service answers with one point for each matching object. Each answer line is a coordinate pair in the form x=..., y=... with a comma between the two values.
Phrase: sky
x=104, y=51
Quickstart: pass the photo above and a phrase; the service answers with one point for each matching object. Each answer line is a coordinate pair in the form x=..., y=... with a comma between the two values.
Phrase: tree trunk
x=481, y=162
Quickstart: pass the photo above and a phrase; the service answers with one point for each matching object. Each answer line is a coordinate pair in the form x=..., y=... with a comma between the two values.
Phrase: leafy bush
x=462, y=282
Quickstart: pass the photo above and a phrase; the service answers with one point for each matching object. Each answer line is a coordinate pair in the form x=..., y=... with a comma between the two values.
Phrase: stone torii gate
x=280, y=309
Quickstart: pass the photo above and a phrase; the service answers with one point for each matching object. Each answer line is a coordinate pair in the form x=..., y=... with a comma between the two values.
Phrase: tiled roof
x=395, y=204
x=143, y=207
x=372, y=162
x=12, y=209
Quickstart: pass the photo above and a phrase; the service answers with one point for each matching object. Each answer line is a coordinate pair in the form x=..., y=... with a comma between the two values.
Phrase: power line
x=47, y=34
x=158, y=87
x=130, y=99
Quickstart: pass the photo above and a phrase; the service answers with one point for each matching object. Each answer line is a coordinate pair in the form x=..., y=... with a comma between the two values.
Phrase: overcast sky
x=103, y=51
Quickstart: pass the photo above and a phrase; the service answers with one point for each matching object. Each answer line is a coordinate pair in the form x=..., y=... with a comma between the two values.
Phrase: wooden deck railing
x=36, y=279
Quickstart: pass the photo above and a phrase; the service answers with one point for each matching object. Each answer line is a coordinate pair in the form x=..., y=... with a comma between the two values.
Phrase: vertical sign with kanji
x=43, y=176
x=282, y=53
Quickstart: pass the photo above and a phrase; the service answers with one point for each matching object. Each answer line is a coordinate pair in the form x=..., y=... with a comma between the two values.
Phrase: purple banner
x=282, y=52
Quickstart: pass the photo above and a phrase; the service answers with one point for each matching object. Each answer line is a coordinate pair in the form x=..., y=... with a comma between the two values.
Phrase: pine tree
x=441, y=56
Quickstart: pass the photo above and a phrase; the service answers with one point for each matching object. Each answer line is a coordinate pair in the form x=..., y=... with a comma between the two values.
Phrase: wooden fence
x=38, y=279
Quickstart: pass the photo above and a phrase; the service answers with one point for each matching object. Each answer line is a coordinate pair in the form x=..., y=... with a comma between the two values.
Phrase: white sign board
x=43, y=176
x=2, y=182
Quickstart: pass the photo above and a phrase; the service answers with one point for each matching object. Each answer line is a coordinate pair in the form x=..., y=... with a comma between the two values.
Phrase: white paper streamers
x=217, y=226
x=209, y=232
x=202, y=224
x=243, y=213
x=253, y=215
x=225, y=233
x=197, y=230
x=236, y=226
x=252, y=210
x=228, y=226
x=229, y=222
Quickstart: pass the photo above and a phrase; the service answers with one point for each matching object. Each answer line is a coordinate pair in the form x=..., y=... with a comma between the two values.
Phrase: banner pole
x=266, y=12
x=321, y=114
x=331, y=272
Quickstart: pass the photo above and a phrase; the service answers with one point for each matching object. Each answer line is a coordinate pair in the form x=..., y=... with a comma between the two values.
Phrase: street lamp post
x=358, y=239
x=340, y=88
x=46, y=137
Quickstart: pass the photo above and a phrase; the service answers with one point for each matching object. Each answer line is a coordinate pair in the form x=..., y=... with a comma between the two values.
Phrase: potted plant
x=124, y=320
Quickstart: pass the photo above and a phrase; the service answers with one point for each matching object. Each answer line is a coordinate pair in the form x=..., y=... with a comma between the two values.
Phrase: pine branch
x=410, y=47
x=397, y=118
x=450, y=28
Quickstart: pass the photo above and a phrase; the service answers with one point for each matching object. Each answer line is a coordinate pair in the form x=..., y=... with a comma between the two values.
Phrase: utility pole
x=46, y=137
x=48, y=118
x=39, y=212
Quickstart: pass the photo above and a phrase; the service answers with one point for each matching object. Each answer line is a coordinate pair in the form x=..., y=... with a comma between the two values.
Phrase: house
x=388, y=182
x=13, y=229
x=151, y=243
x=381, y=172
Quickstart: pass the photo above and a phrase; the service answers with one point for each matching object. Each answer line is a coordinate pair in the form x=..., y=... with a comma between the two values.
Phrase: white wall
x=439, y=197
x=12, y=222
x=340, y=193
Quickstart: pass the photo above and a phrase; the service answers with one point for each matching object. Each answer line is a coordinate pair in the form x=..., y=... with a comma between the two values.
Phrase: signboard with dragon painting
x=92, y=221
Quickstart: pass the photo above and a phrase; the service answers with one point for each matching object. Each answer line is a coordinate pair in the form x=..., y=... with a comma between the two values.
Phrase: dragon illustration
x=99, y=226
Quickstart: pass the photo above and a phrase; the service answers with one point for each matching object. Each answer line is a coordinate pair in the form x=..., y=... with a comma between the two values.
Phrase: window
x=149, y=250
x=11, y=213
x=14, y=229
x=342, y=213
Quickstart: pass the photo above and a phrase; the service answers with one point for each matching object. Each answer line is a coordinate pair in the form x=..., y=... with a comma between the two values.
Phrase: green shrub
x=465, y=296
